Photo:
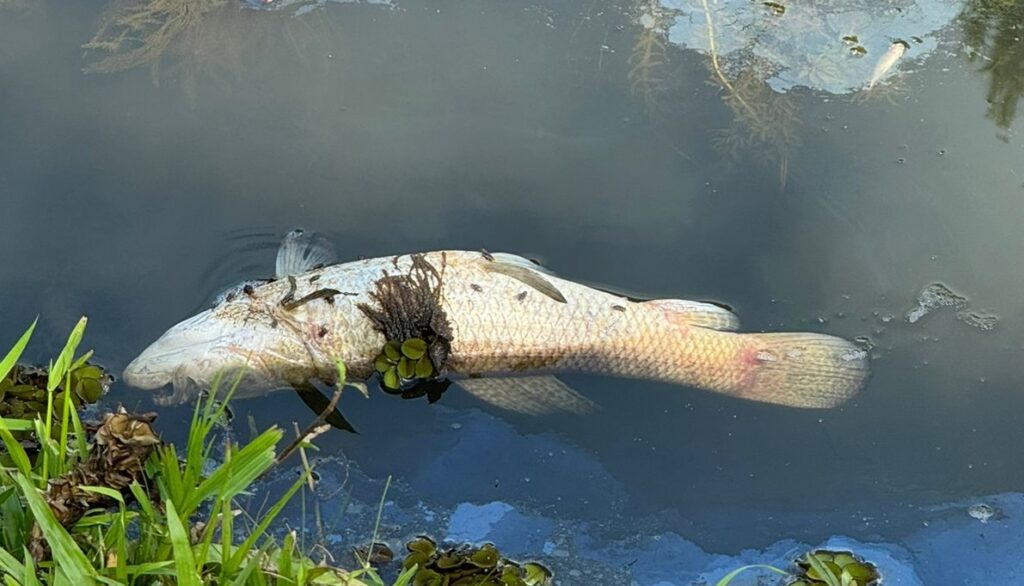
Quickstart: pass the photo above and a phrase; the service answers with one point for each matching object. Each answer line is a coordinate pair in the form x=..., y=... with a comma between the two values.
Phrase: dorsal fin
x=515, y=259
x=300, y=252
x=529, y=395
x=524, y=271
x=696, y=313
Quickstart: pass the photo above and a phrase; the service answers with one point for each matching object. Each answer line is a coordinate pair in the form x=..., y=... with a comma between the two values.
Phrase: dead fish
x=482, y=333
x=886, y=62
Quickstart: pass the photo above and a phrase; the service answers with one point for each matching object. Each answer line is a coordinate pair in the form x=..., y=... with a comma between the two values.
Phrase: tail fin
x=803, y=370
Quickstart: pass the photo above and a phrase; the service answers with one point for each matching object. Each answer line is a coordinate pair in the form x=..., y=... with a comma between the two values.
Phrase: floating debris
x=466, y=565
x=938, y=295
x=933, y=297
x=983, y=321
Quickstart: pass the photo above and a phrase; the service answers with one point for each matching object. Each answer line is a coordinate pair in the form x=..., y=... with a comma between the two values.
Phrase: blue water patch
x=964, y=542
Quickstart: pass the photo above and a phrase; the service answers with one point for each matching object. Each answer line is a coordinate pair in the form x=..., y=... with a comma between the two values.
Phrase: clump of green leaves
x=819, y=568
x=399, y=364
x=466, y=565
x=834, y=568
x=24, y=390
x=179, y=524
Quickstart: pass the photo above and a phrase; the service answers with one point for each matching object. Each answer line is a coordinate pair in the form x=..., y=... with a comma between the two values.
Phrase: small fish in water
x=984, y=512
x=469, y=318
x=896, y=50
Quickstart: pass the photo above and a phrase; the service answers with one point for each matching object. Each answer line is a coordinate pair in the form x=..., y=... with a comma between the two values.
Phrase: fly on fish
x=497, y=325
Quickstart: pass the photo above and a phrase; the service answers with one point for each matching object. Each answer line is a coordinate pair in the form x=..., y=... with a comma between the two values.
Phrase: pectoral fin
x=529, y=395
x=527, y=276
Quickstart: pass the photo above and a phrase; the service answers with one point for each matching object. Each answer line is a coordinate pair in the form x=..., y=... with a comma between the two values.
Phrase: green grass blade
x=267, y=519
x=151, y=569
x=28, y=576
x=66, y=356
x=285, y=556
x=15, y=353
x=342, y=372
x=66, y=553
x=15, y=450
x=81, y=360
x=142, y=497
x=80, y=439
x=406, y=577
x=9, y=564
x=105, y=491
x=249, y=570
x=18, y=424
x=68, y=406
x=728, y=578
x=237, y=474
x=183, y=560
x=826, y=574
x=380, y=513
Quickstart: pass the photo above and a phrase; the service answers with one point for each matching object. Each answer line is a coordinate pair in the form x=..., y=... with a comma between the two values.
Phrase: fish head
x=254, y=342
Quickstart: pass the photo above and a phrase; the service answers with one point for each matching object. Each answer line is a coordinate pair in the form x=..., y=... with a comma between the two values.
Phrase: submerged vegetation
x=764, y=121
x=649, y=58
x=764, y=125
x=139, y=32
x=194, y=41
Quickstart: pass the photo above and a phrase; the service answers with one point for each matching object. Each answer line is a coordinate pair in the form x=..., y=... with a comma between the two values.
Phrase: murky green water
x=607, y=143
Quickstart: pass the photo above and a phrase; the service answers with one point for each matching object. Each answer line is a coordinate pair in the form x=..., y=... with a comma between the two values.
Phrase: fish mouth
x=193, y=351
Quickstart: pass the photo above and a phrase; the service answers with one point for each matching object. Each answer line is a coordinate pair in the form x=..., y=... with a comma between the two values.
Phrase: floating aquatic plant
x=399, y=364
x=26, y=391
x=818, y=568
x=834, y=568
x=466, y=565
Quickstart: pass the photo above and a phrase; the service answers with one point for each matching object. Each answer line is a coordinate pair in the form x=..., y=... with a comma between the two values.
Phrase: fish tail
x=696, y=344
x=807, y=370
x=797, y=369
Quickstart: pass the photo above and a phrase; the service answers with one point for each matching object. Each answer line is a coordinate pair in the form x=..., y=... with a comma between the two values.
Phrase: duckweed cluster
x=399, y=364
x=823, y=568
x=465, y=565
x=23, y=391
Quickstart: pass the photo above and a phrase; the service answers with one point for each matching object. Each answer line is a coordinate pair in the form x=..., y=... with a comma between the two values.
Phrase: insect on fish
x=498, y=325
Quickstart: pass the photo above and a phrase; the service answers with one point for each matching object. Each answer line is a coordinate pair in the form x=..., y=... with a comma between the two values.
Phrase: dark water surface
x=522, y=127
